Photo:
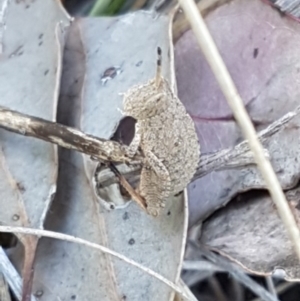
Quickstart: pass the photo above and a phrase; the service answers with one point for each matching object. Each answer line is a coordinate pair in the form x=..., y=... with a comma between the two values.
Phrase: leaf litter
x=263, y=60
x=224, y=120
x=86, y=274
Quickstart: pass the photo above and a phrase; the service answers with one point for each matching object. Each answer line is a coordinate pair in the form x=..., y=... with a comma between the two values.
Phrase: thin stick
x=134, y=195
x=235, y=102
x=64, y=136
x=271, y=286
x=201, y=265
x=181, y=25
x=69, y=238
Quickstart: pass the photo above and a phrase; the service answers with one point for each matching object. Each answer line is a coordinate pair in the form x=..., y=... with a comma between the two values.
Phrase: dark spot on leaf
x=21, y=187
x=138, y=64
x=46, y=72
x=255, y=53
x=131, y=241
x=112, y=206
x=40, y=43
x=125, y=216
x=176, y=144
x=169, y=213
x=41, y=35
x=18, y=51
x=73, y=297
x=110, y=73
x=27, y=6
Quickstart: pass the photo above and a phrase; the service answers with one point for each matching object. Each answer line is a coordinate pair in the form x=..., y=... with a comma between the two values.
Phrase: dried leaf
x=253, y=235
x=114, y=54
x=29, y=72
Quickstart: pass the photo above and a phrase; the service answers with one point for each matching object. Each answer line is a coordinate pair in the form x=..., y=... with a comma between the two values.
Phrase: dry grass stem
x=181, y=24
x=73, y=239
x=201, y=265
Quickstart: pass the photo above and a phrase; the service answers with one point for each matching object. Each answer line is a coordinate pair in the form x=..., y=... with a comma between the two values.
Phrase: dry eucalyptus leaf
x=251, y=233
x=30, y=68
x=263, y=60
x=158, y=241
x=103, y=57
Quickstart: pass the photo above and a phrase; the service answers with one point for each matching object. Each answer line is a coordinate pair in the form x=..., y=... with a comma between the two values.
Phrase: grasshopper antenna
x=158, y=68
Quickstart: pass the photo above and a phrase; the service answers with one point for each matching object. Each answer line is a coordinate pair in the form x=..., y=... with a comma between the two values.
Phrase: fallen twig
x=64, y=136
